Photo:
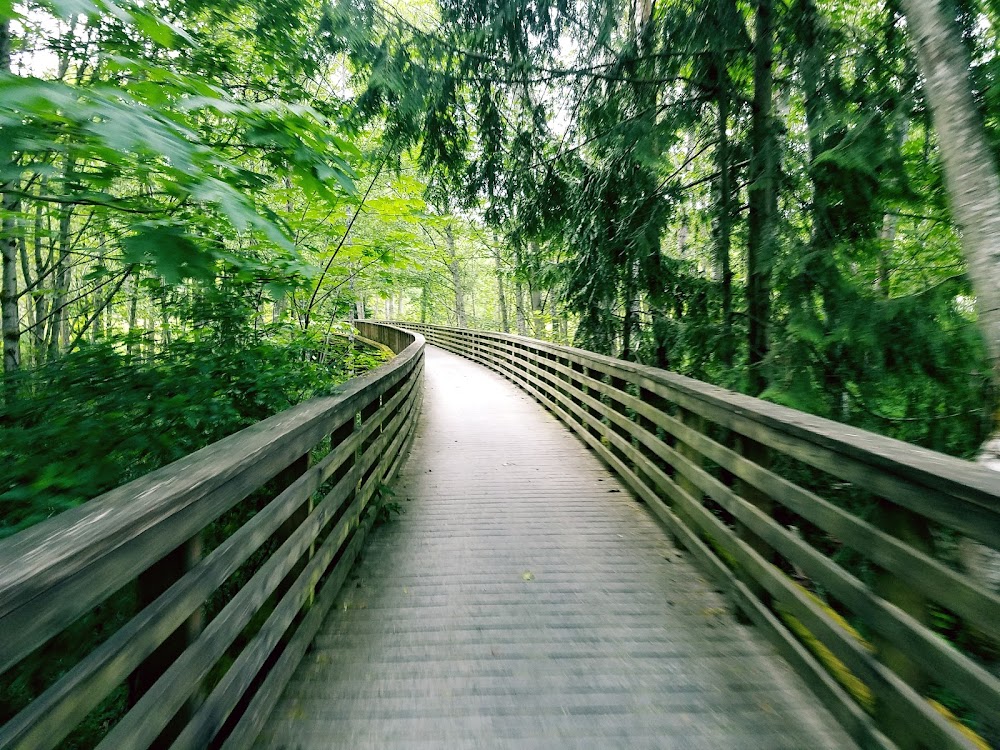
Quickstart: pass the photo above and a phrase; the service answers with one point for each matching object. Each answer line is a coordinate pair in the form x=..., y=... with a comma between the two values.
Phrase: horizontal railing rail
x=208, y=626
x=828, y=537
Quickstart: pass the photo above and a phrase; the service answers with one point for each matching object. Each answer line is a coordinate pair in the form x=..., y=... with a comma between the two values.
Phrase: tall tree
x=970, y=167
x=973, y=184
x=762, y=222
x=9, y=240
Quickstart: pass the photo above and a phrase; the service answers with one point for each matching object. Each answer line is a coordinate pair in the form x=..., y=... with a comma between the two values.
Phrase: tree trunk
x=502, y=297
x=26, y=275
x=11, y=323
x=41, y=267
x=8, y=294
x=973, y=185
x=631, y=311
x=724, y=208
x=522, y=322
x=969, y=169
x=537, y=319
x=59, y=324
x=359, y=301
x=133, y=309
x=886, y=239
x=454, y=267
x=762, y=198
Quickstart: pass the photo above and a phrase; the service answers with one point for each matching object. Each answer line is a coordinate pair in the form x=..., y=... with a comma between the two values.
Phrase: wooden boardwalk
x=526, y=600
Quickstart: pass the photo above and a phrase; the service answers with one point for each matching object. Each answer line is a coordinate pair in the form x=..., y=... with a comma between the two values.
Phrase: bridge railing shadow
x=220, y=568
x=838, y=543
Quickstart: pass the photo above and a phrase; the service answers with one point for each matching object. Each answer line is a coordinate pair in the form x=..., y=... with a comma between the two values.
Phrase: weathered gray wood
x=847, y=712
x=264, y=700
x=857, y=723
x=613, y=435
x=54, y=713
x=950, y=667
x=43, y=587
x=943, y=585
x=525, y=598
x=924, y=722
x=912, y=476
x=915, y=641
x=238, y=679
x=140, y=726
x=52, y=573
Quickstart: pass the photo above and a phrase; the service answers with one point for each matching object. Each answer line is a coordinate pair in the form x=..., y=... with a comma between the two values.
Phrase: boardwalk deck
x=526, y=600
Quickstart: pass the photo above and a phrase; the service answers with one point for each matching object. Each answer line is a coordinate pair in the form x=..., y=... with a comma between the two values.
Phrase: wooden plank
x=53, y=714
x=973, y=682
x=267, y=695
x=925, y=723
x=911, y=476
x=52, y=573
x=444, y=640
x=141, y=725
x=950, y=667
x=937, y=581
x=858, y=724
x=264, y=700
x=238, y=679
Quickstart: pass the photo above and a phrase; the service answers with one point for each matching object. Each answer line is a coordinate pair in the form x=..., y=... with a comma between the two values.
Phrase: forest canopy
x=750, y=194
x=794, y=199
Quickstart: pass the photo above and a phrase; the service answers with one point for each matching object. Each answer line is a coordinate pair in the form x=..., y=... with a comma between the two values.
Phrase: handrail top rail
x=953, y=476
x=76, y=537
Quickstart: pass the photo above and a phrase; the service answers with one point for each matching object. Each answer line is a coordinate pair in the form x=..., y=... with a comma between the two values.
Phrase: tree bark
x=454, y=267
x=886, y=239
x=59, y=324
x=42, y=261
x=502, y=297
x=522, y=322
x=133, y=309
x=762, y=198
x=724, y=208
x=973, y=185
x=631, y=311
x=970, y=171
x=11, y=323
x=537, y=319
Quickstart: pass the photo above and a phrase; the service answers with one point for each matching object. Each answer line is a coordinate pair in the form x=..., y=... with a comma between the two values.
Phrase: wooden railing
x=828, y=537
x=208, y=627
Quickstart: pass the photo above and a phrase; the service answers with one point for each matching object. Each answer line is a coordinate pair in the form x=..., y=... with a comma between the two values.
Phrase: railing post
x=285, y=478
x=759, y=454
x=149, y=586
x=913, y=530
x=696, y=423
x=660, y=404
x=575, y=389
x=620, y=385
x=594, y=432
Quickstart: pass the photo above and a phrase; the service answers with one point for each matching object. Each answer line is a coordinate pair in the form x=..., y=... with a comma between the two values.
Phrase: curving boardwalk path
x=526, y=600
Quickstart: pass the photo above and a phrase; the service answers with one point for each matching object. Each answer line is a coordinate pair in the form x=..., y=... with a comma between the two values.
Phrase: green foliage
x=101, y=417
x=385, y=506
